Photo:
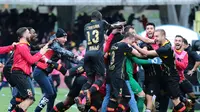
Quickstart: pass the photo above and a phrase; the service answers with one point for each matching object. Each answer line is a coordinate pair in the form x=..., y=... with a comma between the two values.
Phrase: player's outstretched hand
x=44, y=49
x=156, y=60
x=190, y=72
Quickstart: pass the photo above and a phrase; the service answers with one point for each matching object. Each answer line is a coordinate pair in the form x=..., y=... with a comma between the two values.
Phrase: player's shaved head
x=129, y=35
x=162, y=32
x=129, y=28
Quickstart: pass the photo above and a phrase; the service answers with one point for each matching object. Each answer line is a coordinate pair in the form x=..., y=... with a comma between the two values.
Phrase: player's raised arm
x=136, y=53
x=146, y=40
x=145, y=52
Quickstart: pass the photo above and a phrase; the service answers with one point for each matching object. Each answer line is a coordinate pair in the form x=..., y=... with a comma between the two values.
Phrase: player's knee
x=30, y=98
x=51, y=96
x=54, y=96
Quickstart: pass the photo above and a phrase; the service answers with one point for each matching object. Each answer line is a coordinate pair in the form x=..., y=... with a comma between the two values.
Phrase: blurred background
x=47, y=15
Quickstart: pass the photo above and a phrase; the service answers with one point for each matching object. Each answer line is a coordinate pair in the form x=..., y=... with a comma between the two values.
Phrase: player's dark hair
x=152, y=24
x=96, y=15
x=29, y=28
x=20, y=32
x=179, y=37
x=126, y=29
x=161, y=31
x=185, y=41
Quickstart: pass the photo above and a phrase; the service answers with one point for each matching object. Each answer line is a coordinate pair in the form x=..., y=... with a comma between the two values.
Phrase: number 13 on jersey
x=92, y=37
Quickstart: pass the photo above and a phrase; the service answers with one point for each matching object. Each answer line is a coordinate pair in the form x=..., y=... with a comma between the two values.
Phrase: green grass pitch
x=5, y=96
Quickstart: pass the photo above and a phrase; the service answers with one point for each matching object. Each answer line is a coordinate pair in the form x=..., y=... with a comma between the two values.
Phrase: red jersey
x=154, y=46
x=6, y=49
x=102, y=89
x=23, y=60
x=181, y=63
x=135, y=68
x=42, y=64
x=107, y=44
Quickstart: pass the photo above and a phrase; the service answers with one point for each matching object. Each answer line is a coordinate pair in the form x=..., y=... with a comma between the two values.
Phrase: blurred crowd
x=44, y=23
x=11, y=20
x=192, y=15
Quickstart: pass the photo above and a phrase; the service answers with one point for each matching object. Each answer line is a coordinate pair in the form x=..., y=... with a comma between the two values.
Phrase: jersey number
x=112, y=66
x=95, y=37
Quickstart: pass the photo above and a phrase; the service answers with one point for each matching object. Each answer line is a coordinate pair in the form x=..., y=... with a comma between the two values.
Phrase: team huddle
x=104, y=79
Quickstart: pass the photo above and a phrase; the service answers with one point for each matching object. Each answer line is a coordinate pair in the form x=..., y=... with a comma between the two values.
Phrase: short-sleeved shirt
x=118, y=54
x=166, y=53
x=94, y=33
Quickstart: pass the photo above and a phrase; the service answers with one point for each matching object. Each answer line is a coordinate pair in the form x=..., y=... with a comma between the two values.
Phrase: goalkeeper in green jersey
x=132, y=83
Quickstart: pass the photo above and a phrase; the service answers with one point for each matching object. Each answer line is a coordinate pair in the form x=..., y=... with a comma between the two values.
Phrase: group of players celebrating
x=105, y=78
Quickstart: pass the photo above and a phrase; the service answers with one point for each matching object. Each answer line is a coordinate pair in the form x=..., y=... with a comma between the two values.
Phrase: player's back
x=117, y=63
x=94, y=33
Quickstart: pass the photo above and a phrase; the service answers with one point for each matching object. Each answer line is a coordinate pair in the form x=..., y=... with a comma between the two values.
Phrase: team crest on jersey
x=165, y=56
